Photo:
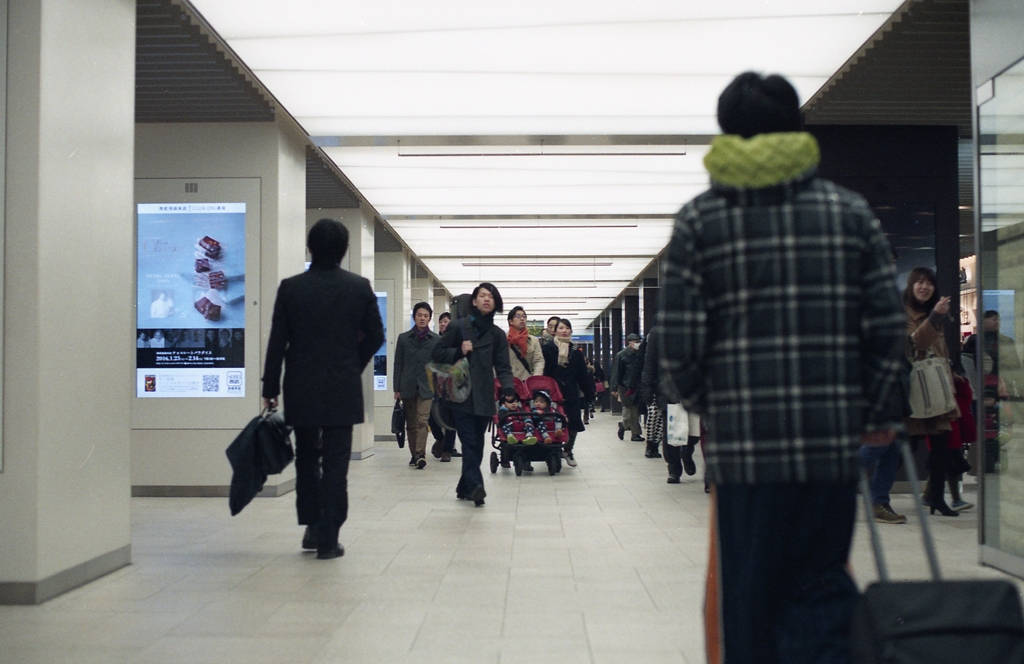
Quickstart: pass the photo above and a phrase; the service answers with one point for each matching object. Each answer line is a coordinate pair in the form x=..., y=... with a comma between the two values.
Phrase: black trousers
x=938, y=463
x=472, y=432
x=321, y=483
x=442, y=434
x=778, y=589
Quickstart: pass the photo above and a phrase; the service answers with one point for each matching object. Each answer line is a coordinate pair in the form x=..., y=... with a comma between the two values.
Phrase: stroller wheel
x=552, y=464
x=494, y=462
x=517, y=461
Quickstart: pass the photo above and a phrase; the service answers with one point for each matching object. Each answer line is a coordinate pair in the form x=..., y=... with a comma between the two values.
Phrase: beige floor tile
x=600, y=564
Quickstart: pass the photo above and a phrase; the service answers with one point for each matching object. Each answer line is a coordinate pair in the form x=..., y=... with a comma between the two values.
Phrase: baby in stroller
x=547, y=429
x=516, y=429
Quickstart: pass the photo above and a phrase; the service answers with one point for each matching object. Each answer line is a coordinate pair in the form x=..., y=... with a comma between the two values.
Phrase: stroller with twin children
x=523, y=435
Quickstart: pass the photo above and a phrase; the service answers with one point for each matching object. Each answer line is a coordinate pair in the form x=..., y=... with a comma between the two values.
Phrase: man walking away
x=622, y=374
x=782, y=328
x=326, y=328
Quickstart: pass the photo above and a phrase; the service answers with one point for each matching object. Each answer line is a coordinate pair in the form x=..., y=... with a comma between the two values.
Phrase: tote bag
x=931, y=388
x=450, y=382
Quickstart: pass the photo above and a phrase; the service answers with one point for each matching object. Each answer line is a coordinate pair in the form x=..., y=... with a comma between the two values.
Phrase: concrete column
x=631, y=311
x=68, y=308
x=392, y=275
x=650, y=296
x=439, y=301
x=616, y=346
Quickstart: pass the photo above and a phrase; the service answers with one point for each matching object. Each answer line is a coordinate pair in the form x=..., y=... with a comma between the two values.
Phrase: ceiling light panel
x=260, y=18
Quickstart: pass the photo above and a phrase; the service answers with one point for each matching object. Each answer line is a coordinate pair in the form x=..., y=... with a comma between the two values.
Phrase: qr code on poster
x=211, y=383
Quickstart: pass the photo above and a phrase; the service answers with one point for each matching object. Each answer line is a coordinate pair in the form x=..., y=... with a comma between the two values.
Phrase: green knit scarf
x=761, y=161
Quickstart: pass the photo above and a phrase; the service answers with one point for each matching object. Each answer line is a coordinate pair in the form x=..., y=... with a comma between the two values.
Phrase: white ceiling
x=558, y=137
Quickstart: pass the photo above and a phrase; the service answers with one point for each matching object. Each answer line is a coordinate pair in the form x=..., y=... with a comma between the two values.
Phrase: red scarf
x=519, y=339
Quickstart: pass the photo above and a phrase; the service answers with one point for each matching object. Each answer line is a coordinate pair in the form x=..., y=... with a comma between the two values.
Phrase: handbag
x=398, y=422
x=450, y=382
x=931, y=388
x=273, y=440
x=598, y=387
x=934, y=621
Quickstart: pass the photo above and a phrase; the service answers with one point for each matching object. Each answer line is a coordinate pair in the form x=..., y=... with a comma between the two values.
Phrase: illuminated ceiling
x=541, y=146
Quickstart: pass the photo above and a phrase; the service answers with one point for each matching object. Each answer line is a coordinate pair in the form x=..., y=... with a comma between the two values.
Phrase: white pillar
x=68, y=306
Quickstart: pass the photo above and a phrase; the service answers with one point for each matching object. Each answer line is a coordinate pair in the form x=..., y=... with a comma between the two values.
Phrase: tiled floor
x=599, y=564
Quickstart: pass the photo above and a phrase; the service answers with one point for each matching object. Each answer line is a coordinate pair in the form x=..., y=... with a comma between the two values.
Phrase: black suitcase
x=934, y=622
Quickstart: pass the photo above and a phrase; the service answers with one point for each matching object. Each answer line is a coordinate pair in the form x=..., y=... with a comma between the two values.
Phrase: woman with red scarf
x=524, y=352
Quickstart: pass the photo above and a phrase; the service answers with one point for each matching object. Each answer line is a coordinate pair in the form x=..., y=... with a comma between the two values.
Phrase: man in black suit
x=326, y=327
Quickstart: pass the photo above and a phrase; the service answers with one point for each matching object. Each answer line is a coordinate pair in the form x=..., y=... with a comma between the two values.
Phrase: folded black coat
x=261, y=449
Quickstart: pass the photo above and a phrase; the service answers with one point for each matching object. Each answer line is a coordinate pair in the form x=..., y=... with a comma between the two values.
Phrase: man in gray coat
x=412, y=353
x=622, y=373
x=325, y=330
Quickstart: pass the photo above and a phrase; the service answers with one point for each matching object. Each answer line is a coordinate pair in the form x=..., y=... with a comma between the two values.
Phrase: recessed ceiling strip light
x=518, y=264
x=573, y=226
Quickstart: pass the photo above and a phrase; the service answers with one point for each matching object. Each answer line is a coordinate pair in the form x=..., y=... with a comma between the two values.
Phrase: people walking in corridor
x=478, y=338
x=325, y=329
x=783, y=329
x=413, y=351
x=624, y=391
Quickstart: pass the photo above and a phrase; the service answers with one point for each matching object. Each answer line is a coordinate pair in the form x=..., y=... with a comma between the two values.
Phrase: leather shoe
x=309, y=539
x=445, y=457
x=456, y=453
x=437, y=449
x=622, y=432
x=478, y=496
x=637, y=439
x=686, y=456
x=337, y=551
x=673, y=479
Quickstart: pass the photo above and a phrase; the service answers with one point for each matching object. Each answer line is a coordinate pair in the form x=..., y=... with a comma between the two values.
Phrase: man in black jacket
x=625, y=390
x=326, y=328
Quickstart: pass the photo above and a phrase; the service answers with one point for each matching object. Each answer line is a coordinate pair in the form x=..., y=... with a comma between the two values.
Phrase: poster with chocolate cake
x=190, y=281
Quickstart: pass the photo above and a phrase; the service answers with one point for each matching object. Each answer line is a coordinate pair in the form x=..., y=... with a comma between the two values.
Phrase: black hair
x=753, y=104
x=551, y=319
x=513, y=311
x=498, y=306
x=443, y=316
x=916, y=275
x=991, y=313
x=564, y=321
x=422, y=305
x=327, y=242
x=543, y=394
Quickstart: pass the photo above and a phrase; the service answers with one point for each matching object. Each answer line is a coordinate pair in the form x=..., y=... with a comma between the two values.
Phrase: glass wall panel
x=1000, y=345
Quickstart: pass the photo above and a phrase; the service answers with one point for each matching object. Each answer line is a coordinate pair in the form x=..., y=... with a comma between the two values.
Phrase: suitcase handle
x=926, y=533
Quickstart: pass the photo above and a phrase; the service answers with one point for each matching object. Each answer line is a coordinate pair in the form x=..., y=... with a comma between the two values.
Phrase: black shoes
x=336, y=551
x=478, y=495
x=412, y=461
x=437, y=449
x=637, y=438
x=686, y=456
x=652, y=452
x=622, y=432
x=456, y=453
x=309, y=539
x=673, y=479
x=421, y=463
x=942, y=507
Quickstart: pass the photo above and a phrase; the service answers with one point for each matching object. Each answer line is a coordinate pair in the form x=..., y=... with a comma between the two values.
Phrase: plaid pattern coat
x=782, y=327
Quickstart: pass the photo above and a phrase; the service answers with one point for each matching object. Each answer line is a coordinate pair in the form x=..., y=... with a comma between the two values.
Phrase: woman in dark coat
x=486, y=346
x=568, y=366
x=326, y=328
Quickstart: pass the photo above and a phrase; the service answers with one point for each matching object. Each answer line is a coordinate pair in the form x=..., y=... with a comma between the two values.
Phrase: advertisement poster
x=190, y=300
x=380, y=359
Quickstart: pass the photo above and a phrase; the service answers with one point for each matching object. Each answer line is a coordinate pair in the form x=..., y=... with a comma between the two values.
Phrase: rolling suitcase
x=934, y=622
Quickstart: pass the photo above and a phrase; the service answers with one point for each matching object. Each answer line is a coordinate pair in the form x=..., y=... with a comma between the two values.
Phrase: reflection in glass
x=998, y=348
